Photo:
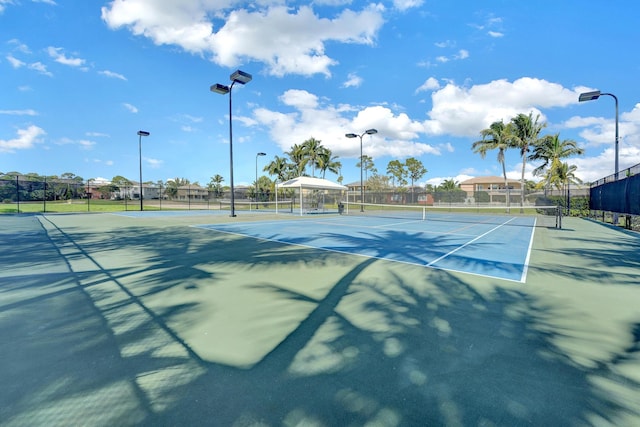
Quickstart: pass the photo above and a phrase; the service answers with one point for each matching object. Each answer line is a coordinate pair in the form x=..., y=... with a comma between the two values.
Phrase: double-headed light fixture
x=591, y=96
x=353, y=135
x=236, y=77
x=141, y=133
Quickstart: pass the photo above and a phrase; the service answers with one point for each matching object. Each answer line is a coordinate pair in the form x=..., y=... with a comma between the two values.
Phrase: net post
x=558, y=217
x=424, y=213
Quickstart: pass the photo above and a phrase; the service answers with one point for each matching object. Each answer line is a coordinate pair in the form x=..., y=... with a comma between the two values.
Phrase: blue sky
x=79, y=79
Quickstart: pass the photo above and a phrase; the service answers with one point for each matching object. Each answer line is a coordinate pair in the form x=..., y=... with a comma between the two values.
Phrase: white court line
x=523, y=278
x=468, y=243
x=382, y=258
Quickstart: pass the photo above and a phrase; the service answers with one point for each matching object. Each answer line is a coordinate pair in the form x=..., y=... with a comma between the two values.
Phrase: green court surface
x=118, y=320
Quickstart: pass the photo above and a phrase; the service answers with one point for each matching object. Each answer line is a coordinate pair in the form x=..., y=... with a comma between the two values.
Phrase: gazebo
x=311, y=190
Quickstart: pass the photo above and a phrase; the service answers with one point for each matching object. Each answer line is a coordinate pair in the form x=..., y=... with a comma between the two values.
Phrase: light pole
x=256, y=189
x=141, y=133
x=236, y=77
x=590, y=96
x=353, y=135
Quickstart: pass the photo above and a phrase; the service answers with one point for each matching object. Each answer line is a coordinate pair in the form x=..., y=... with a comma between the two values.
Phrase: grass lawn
x=74, y=206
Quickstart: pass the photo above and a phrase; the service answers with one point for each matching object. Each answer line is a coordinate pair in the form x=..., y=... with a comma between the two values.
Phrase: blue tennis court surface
x=497, y=249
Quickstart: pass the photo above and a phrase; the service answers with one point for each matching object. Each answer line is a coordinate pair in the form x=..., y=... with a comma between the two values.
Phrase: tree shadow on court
x=382, y=346
x=615, y=259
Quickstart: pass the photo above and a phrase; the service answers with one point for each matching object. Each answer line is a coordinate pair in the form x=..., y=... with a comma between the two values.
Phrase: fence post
x=18, y=191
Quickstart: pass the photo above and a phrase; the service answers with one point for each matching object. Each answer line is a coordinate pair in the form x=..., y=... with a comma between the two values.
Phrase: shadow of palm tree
x=385, y=344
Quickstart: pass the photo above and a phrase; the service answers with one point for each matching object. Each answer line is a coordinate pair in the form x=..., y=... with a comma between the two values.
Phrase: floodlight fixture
x=240, y=77
x=354, y=135
x=218, y=88
x=590, y=96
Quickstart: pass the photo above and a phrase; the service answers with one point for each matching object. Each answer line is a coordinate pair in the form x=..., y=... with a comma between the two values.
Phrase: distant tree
x=378, y=182
x=497, y=136
x=367, y=166
x=415, y=171
x=551, y=150
x=281, y=169
x=449, y=191
x=449, y=185
x=106, y=191
x=398, y=173
x=327, y=161
x=297, y=156
x=525, y=136
x=311, y=152
x=174, y=184
x=215, y=185
x=120, y=182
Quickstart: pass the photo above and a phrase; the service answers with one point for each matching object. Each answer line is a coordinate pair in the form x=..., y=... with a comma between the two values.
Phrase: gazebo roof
x=311, y=182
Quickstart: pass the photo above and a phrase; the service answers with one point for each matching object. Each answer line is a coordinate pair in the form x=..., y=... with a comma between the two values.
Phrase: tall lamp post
x=353, y=135
x=256, y=190
x=236, y=77
x=141, y=133
x=590, y=96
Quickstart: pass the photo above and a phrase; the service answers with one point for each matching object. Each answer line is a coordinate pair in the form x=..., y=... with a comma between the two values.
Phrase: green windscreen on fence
x=621, y=196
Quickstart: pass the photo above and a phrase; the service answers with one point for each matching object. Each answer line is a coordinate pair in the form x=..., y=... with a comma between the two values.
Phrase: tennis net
x=529, y=216
x=245, y=205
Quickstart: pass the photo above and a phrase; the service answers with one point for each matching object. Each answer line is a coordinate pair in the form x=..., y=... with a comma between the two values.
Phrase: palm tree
x=449, y=185
x=525, y=136
x=278, y=167
x=297, y=155
x=328, y=162
x=311, y=150
x=496, y=137
x=215, y=184
x=551, y=150
x=563, y=175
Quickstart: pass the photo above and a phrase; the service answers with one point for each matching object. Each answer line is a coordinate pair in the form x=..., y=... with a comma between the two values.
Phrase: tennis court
x=198, y=318
x=492, y=246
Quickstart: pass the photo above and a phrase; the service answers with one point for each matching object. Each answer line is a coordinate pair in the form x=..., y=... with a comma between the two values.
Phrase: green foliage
x=482, y=197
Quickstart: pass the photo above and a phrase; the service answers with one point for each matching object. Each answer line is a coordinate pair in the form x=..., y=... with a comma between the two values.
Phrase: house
x=494, y=186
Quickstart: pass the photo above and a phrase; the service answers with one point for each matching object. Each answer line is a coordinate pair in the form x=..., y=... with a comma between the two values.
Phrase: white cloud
x=430, y=84
x=28, y=112
x=353, y=80
x=15, y=63
x=462, y=54
x=25, y=139
x=288, y=41
x=153, y=163
x=40, y=68
x=58, y=56
x=130, y=107
x=50, y=2
x=495, y=34
x=465, y=111
x=112, y=74
x=19, y=46
x=406, y=4
x=86, y=144
x=3, y=4
x=311, y=117
x=447, y=43
x=97, y=134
